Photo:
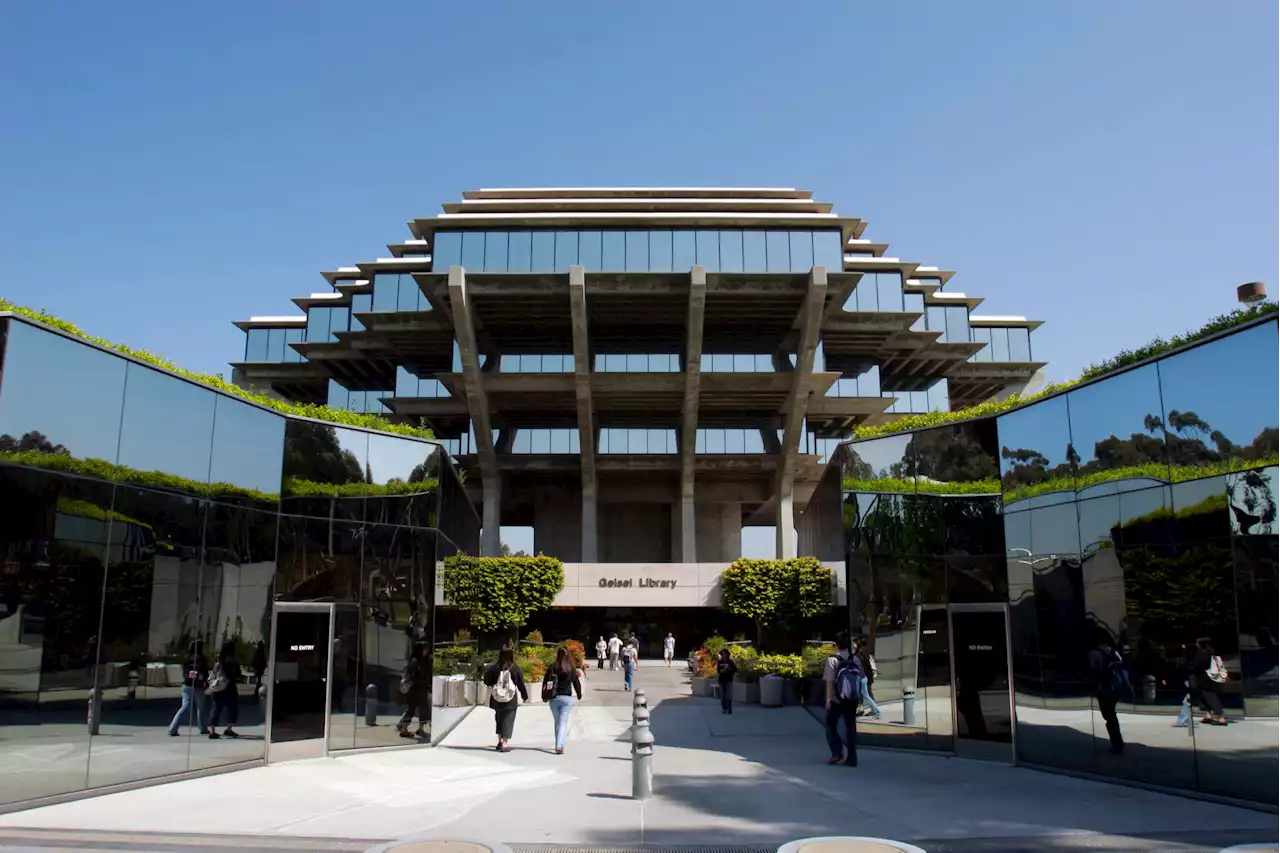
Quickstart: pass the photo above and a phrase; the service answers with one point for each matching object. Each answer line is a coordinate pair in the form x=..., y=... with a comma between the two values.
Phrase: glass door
x=983, y=686
x=300, y=675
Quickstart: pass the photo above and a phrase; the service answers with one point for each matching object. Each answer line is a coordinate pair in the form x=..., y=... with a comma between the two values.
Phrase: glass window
x=637, y=251
x=386, y=291
x=637, y=441
x=614, y=252
x=754, y=442
x=1020, y=344
x=566, y=250
x=411, y=297
x=544, y=252
x=338, y=319
x=1036, y=459
x=255, y=345
x=981, y=335
x=167, y=425
x=683, y=251
x=637, y=363
x=801, y=251
x=914, y=302
x=865, y=291
x=777, y=251
x=275, y=345
x=889, y=291
x=826, y=251
x=735, y=441
x=540, y=441
x=999, y=344
x=446, y=250
x=406, y=383
x=660, y=251
x=523, y=441
x=473, y=250
x=248, y=447
x=317, y=325
x=763, y=363
x=753, y=251
x=519, y=251
x=495, y=251
x=869, y=382
x=743, y=363
x=957, y=324
x=707, y=249
x=715, y=442
x=559, y=441
x=589, y=250
x=937, y=316
x=293, y=336
x=731, y=251
x=938, y=398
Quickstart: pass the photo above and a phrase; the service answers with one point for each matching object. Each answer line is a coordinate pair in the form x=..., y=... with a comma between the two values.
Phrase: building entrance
x=983, y=686
x=301, y=672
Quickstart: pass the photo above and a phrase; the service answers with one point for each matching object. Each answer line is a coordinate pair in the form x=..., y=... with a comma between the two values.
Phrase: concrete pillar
x=730, y=532
x=491, y=519
x=688, y=528
x=590, y=528
x=786, y=522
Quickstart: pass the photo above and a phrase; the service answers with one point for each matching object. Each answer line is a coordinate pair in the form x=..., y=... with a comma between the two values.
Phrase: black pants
x=848, y=711
x=600, y=663
x=1107, y=707
x=505, y=719
x=414, y=704
x=1210, y=699
x=726, y=696
x=226, y=701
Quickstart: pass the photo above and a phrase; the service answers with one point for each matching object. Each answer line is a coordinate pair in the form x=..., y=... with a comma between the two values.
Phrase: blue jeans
x=190, y=696
x=628, y=672
x=560, y=708
x=866, y=697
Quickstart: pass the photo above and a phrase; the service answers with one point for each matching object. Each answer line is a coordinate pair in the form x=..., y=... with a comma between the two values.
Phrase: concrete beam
x=689, y=410
x=586, y=413
x=793, y=413
x=478, y=404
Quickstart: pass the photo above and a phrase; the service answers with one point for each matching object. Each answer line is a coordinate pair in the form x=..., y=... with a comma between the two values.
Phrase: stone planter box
x=746, y=692
x=700, y=686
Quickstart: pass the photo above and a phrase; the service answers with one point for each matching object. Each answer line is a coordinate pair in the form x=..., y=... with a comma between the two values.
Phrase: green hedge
x=306, y=410
x=1122, y=359
x=773, y=591
x=990, y=486
x=502, y=592
x=1151, y=470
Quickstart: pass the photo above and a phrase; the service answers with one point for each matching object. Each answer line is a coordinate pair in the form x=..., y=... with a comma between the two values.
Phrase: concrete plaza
x=754, y=778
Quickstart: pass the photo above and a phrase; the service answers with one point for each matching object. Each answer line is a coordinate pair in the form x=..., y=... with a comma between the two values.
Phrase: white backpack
x=1217, y=670
x=504, y=690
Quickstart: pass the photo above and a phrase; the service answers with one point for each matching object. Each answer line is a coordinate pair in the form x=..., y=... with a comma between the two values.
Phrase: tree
x=502, y=592
x=776, y=592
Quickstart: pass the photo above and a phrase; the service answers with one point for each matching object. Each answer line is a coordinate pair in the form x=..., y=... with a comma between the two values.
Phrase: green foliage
x=994, y=407
x=535, y=636
x=746, y=658
x=815, y=659
x=297, y=487
x=1154, y=471
x=455, y=660
x=85, y=509
x=786, y=666
x=714, y=644
x=103, y=470
x=502, y=592
x=922, y=485
x=306, y=410
x=777, y=591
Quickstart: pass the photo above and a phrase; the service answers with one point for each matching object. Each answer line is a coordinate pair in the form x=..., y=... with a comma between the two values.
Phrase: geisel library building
x=639, y=376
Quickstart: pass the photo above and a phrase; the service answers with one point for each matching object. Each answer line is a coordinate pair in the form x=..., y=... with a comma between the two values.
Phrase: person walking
x=844, y=679
x=602, y=652
x=226, y=694
x=1207, y=673
x=629, y=655
x=615, y=649
x=558, y=688
x=1111, y=684
x=669, y=648
x=506, y=689
x=869, y=673
x=413, y=687
x=195, y=680
x=725, y=670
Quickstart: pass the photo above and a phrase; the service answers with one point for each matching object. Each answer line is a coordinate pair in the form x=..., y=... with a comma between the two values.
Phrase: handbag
x=218, y=682
x=549, y=687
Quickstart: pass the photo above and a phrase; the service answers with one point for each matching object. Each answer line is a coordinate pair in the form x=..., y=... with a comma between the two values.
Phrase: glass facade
x=272, y=345
x=149, y=525
x=1128, y=529
x=661, y=362
x=1003, y=344
x=632, y=250
x=641, y=441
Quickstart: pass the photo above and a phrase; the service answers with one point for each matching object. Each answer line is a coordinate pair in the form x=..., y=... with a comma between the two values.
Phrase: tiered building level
x=638, y=373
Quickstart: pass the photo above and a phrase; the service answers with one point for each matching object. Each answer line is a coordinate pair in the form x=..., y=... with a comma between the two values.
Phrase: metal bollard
x=908, y=706
x=95, y=709
x=371, y=705
x=639, y=717
x=642, y=758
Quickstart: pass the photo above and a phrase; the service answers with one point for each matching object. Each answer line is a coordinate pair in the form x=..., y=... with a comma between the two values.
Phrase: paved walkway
x=753, y=778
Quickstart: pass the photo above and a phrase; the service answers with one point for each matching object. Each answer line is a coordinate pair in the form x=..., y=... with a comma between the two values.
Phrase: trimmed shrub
x=502, y=592
x=777, y=591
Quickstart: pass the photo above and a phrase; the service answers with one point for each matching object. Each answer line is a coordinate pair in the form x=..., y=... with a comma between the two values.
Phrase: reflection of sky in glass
x=1054, y=531
x=1114, y=407
x=1041, y=427
x=248, y=445
x=1097, y=517
x=356, y=442
x=882, y=453
x=167, y=425
x=68, y=391
x=1193, y=492
x=395, y=458
x=1230, y=383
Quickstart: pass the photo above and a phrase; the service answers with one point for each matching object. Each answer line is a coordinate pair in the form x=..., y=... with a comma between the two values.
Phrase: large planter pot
x=700, y=686
x=793, y=692
x=772, y=688
x=746, y=692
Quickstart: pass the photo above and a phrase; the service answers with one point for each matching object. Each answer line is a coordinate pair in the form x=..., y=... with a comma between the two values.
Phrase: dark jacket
x=1199, y=670
x=231, y=669
x=725, y=670
x=491, y=674
x=566, y=684
x=197, y=672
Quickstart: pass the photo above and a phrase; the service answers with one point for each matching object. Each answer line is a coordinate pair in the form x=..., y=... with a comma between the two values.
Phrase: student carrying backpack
x=843, y=676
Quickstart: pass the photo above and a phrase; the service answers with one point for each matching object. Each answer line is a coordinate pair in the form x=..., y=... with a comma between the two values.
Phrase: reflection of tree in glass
x=1253, y=507
x=952, y=455
x=312, y=452
x=33, y=440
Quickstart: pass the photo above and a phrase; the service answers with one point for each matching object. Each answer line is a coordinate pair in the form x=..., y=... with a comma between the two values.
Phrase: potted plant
x=746, y=684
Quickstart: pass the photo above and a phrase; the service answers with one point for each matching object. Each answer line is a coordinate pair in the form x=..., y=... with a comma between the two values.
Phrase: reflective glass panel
x=889, y=291
x=519, y=251
x=1117, y=433
x=324, y=470
x=293, y=336
x=614, y=252
x=1036, y=456
x=256, y=344
x=982, y=335
x=544, y=252
x=731, y=251
x=406, y=383
x=801, y=251
x=166, y=427
x=660, y=251
x=707, y=249
x=827, y=252
x=753, y=252
x=338, y=319
x=386, y=291
x=411, y=297
x=777, y=251
x=683, y=251
x=495, y=251
x=637, y=248
x=317, y=325
x=1019, y=344
x=248, y=443
x=473, y=250
x=589, y=250
x=999, y=345
x=566, y=250
x=446, y=250
x=957, y=324
x=865, y=293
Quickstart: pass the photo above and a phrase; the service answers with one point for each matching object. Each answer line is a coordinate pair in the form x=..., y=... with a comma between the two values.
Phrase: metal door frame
x=991, y=607
x=277, y=608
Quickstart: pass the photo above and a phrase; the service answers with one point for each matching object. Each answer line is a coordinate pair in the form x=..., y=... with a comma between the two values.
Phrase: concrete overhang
x=635, y=192
x=932, y=273
x=341, y=273
x=940, y=298
x=330, y=299
x=992, y=321
x=666, y=204
x=861, y=247
x=417, y=246
x=282, y=371
x=359, y=285
x=915, y=285
x=395, y=265
x=856, y=263
x=289, y=322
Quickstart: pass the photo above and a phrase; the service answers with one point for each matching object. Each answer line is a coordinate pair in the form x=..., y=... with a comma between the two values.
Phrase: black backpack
x=409, y=677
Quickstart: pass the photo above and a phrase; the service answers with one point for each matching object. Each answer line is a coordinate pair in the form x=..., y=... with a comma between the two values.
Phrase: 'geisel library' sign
x=649, y=585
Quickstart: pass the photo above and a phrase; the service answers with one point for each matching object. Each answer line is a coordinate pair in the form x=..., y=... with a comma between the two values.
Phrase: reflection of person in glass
x=195, y=678
x=227, y=700
x=1207, y=673
x=413, y=687
x=1111, y=684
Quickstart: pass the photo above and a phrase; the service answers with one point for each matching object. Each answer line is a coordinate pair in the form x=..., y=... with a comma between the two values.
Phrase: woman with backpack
x=558, y=687
x=226, y=697
x=195, y=679
x=629, y=655
x=506, y=688
x=1207, y=672
x=413, y=687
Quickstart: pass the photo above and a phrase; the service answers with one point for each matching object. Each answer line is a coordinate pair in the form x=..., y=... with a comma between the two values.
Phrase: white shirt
x=669, y=644
x=614, y=645
x=601, y=647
